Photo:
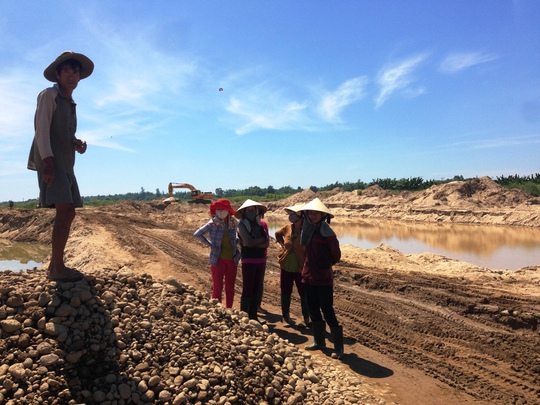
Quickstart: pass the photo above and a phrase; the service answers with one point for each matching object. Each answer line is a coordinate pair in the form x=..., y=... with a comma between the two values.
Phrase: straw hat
x=221, y=204
x=87, y=66
x=317, y=205
x=249, y=203
x=294, y=209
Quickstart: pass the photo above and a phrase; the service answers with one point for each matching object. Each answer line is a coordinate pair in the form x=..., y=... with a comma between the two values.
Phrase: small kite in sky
x=221, y=89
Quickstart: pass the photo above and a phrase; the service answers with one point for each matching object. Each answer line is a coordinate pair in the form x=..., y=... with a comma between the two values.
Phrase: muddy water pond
x=21, y=256
x=495, y=247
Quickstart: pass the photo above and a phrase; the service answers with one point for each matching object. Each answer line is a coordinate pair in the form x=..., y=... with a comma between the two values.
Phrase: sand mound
x=480, y=201
x=475, y=193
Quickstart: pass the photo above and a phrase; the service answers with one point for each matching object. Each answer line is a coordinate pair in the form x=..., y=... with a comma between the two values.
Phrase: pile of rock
x=121, y=338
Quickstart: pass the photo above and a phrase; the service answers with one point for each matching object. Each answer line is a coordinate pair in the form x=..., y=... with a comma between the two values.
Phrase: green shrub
x=529, y=188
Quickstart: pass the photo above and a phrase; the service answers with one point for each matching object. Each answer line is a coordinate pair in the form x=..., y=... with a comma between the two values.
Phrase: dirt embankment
x=477, y=201
x=420, y=329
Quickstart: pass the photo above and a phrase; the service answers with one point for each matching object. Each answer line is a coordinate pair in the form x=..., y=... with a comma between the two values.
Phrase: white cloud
x=396, y=77
x=497, y=143
x=271, y=113
x=139, y=75
x=333, y=103
x=456, y=62
x=262, y=107
x=17, y=106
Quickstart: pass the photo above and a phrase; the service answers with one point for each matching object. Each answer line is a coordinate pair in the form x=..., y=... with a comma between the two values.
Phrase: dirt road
x=415, y=335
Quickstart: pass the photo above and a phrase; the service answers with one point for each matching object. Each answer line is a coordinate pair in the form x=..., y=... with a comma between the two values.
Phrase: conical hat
x=317, y=205
x=249, y=203
x=294, y=209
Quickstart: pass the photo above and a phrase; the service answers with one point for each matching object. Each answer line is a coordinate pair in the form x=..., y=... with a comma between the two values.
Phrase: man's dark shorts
x=63, y=190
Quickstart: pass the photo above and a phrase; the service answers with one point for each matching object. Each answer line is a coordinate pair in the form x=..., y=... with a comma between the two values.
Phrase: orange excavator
x=197, y=196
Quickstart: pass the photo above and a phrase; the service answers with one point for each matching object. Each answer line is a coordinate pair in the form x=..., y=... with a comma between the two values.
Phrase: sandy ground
x=419, y=329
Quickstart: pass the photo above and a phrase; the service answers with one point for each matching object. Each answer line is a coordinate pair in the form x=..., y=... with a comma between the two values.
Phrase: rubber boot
x=337, y=337
x=319, y=329
x=253, y=305
x=305, y=311
x=285, y=308
x=259, y=301
x=244, y=304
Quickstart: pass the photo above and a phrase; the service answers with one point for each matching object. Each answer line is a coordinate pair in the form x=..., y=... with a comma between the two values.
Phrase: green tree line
x=529, y=184
x=271, y=193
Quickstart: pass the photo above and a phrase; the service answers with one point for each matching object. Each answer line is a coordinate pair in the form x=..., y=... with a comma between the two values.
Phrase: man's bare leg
x=65, y=213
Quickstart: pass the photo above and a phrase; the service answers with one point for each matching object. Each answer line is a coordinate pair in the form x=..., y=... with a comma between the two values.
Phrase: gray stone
x=173, y=344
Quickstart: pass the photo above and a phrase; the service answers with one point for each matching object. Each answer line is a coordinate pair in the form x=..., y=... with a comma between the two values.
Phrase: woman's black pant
x=320, y=298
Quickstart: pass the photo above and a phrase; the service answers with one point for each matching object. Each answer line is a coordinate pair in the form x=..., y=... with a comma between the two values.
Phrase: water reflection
x=490, y=246
x=21, y=256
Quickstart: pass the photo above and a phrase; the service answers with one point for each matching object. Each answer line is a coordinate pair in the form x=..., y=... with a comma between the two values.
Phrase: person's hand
x=80, y=145
x=47, y=174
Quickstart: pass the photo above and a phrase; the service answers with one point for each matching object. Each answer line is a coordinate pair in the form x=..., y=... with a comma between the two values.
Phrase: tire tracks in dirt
x=476, y=356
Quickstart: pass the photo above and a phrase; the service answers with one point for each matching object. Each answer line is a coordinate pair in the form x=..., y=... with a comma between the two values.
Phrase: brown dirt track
x=420, y=329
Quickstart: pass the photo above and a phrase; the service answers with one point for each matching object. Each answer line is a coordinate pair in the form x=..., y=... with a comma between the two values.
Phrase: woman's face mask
x=251, y=213
x=316, y=216
x=222, y=214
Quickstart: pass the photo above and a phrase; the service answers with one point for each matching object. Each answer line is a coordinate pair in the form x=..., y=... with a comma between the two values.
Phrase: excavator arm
x=196, y=195
x=172, y=186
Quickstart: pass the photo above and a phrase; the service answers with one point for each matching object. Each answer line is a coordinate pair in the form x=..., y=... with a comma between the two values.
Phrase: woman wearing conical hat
x=253, y=241
x=291, y=262
x=322, y=252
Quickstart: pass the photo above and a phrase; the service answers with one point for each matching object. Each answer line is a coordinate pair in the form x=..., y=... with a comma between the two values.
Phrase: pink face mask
x=222, y=214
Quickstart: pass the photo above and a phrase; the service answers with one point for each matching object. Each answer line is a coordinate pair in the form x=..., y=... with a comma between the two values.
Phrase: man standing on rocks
x=52, y=153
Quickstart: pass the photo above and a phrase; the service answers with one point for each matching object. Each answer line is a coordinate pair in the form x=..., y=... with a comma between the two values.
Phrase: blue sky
x=314, y=92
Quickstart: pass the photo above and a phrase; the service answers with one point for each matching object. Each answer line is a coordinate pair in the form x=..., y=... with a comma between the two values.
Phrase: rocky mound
x=121, y=338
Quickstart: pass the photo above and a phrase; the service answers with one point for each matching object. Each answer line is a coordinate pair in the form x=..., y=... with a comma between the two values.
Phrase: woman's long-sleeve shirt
x=290, y=242
x=321, y=254
x=216, y=229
